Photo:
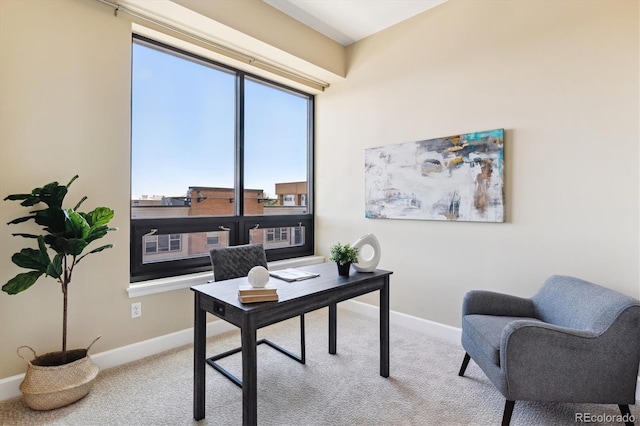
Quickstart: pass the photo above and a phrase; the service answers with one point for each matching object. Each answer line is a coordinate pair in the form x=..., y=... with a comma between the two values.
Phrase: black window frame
x=238, y=225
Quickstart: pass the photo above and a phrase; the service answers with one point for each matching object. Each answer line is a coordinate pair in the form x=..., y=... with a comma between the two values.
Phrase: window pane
x=161, y=248
x=183, y=132
x=275, y=155
x=190, y=119
x=174, y=242
x=151, y=244
x=163, y=243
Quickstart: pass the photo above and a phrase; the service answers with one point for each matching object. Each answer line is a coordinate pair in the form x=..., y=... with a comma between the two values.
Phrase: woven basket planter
x=48, y=385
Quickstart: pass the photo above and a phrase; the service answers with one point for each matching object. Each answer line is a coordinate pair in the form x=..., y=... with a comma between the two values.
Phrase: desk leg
x=249, y=373
x=333, y=314
x=199, y=354
x=384, y=328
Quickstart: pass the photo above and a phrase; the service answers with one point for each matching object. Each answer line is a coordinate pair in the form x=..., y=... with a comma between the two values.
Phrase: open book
x=293, y=274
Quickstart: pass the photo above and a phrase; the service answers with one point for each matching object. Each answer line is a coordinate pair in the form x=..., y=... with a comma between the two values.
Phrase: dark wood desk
x=221, y=299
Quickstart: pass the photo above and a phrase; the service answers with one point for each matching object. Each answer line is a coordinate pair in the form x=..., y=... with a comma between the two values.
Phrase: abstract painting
x=454, y=178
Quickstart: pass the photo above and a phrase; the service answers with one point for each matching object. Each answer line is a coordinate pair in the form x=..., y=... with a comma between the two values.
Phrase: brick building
x=216, y=201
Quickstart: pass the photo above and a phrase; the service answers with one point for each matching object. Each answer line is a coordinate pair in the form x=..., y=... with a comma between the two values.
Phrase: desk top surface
x=328, y=281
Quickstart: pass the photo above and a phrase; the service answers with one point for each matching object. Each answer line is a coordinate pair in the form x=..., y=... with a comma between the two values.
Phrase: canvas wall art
x=454, y=178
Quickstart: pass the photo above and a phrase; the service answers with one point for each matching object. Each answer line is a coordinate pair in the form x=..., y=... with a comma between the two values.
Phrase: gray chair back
x=236, y=261
x=578, y=304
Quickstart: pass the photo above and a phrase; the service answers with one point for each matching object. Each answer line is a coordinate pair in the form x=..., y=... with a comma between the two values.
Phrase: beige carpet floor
x=342, y=389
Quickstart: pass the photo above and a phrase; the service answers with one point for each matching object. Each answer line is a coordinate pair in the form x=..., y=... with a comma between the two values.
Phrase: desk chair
x=235, y=262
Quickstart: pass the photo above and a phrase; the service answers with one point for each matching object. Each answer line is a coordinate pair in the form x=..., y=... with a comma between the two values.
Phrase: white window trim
x=161, y=285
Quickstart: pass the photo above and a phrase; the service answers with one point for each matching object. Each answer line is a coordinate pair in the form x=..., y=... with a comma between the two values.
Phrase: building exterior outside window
x=203, y=201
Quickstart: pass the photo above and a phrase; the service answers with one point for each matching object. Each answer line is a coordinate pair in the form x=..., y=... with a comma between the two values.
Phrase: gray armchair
x=573, y=341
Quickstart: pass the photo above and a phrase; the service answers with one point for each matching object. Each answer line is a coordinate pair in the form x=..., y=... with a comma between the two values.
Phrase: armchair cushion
x=487, y=330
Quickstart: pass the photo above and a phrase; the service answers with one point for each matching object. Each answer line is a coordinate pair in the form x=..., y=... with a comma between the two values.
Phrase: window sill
x=161, y=285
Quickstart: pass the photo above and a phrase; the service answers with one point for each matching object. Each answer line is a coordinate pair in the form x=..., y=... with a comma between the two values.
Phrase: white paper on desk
x=293, y=274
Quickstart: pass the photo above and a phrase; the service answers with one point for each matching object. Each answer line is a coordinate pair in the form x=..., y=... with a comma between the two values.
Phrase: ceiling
x=347, y=21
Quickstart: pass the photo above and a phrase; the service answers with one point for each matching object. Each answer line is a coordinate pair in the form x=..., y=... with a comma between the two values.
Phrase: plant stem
x=64, y=321
x=65, y=284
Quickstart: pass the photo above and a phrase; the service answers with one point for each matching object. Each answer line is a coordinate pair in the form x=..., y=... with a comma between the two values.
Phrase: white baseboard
x=9, y=386
x=433, y=329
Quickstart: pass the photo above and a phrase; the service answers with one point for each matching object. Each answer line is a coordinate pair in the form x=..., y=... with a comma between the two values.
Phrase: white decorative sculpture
x=258, y=276
x=369, y=264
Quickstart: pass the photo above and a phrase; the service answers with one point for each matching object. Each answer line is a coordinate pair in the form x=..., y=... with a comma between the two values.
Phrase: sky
x=182, y=135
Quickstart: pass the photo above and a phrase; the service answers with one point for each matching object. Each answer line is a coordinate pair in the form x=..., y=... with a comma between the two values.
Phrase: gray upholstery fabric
x=486, y=331
x=491, y=303
x=573, y=341
x=575, y=303
x=236, y=261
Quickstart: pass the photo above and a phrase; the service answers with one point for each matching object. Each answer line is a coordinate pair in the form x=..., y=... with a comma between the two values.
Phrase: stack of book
x=249, y=294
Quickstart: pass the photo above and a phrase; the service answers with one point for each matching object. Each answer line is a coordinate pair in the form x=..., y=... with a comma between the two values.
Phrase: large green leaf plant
x=67, y=232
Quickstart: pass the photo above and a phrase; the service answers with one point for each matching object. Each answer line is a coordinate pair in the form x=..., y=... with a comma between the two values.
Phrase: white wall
x=65, y=73
x=65, y=110
x=562, y=79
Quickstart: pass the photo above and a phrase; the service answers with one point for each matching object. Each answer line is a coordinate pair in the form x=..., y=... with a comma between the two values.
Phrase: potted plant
x=344, y=256
x=67, y=232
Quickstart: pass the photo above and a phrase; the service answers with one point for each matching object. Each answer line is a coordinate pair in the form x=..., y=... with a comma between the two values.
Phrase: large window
x=219, y=157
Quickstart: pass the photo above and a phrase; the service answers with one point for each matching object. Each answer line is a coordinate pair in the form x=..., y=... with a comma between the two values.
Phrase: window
x=213, y=239
x=273, y=238
x=162, y=243
x=156, y=247
x=277, y=234
x=219, y=157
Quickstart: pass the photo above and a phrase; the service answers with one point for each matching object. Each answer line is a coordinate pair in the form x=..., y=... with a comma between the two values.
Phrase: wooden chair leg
x=508, y=410
x=465, y=363
x=626, y=414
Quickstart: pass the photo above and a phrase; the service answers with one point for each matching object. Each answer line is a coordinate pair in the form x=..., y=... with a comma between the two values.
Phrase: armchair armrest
x=484, y=302
x=546, y=362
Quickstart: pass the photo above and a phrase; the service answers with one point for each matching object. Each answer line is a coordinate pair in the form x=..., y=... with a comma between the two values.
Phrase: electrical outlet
x=136, y=310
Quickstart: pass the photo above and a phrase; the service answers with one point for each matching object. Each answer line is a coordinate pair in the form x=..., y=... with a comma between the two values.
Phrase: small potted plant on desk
x=58, y=378
x=344, y=256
